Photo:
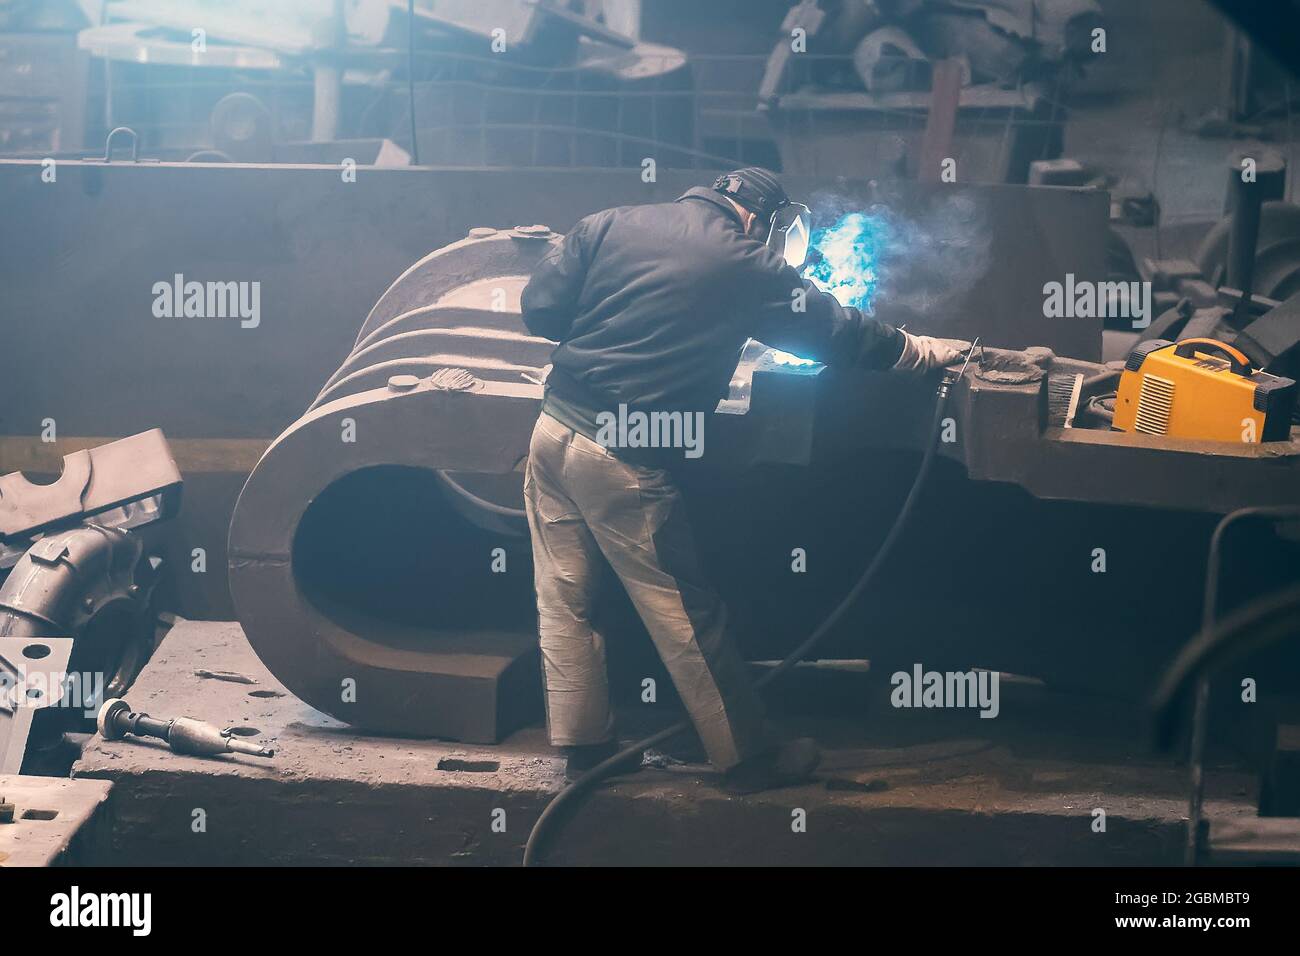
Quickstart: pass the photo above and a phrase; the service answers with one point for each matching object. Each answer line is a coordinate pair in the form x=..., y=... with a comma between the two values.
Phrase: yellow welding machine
x=1201, y=388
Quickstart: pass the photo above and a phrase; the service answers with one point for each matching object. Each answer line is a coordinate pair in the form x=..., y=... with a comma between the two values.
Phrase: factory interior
x=308, y=554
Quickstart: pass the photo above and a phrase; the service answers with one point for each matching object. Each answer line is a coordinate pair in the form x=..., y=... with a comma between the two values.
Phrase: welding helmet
x=787, y=223
x=788, y=233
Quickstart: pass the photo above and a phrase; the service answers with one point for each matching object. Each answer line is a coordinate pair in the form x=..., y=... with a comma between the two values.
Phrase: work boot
x=583, y=757
x=785, y=765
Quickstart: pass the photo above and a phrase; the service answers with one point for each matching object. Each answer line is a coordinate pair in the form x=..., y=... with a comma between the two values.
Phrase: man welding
x=651, y=306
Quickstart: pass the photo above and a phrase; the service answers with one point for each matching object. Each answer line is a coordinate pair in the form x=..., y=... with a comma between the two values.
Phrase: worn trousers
x=585, y=506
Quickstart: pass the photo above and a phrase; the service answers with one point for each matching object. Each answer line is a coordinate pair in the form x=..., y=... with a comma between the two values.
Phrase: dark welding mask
x=788, y=233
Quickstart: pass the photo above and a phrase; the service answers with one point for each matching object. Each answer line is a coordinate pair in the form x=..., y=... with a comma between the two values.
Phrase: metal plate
x=33, y=672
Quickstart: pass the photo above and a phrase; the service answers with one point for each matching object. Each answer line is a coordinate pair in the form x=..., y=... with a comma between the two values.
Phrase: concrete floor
x=904, y=787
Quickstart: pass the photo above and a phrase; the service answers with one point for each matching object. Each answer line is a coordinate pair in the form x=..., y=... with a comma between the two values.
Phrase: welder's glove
x=922, y=353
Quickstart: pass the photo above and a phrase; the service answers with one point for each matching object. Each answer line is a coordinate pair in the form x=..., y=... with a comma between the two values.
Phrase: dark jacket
x=652, y=305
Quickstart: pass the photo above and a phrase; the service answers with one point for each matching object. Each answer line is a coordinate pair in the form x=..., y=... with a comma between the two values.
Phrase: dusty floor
x=898, y=786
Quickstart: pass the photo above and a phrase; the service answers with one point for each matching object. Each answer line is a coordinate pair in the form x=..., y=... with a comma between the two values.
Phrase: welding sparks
x=850, y=254
x=789, y=360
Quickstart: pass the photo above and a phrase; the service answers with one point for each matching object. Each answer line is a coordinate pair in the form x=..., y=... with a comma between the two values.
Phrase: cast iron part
x=125, y=484
x=91, y=584
x=346, y=556
x=35, y=694
x=81, y=581
x=184, y=735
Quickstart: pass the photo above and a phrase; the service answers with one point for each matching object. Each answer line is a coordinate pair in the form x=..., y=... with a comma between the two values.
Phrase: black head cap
x=755, y=188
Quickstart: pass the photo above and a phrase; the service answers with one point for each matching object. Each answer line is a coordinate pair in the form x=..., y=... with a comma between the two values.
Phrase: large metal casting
x=378, y=553
x=380, y=565
x=346, y=560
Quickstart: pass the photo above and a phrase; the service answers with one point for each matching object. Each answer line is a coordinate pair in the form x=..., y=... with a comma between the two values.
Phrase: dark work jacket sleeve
x=795, y=316
x=550, y=300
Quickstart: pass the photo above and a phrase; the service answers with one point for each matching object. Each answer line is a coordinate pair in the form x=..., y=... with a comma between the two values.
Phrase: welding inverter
x=1200, y=388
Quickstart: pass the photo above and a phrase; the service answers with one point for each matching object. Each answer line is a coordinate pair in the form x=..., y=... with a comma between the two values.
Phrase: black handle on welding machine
x=1240, y=363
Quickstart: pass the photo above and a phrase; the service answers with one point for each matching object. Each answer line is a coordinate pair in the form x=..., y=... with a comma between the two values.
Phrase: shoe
x=583, y=757
x=784, y=766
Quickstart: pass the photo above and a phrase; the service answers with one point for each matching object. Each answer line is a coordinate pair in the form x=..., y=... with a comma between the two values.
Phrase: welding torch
x=951, y=377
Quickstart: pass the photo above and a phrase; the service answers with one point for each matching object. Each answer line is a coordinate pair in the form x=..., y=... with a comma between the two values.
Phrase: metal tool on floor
x=184, y=735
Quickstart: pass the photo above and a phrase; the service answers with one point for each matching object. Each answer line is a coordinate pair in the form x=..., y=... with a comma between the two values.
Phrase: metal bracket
x=124, y=484
x=33, y=672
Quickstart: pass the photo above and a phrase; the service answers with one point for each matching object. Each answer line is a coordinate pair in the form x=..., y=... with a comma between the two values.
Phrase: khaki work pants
x=584, y=503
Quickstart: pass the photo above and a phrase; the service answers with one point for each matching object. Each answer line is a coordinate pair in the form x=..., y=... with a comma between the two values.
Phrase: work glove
x=923, y=353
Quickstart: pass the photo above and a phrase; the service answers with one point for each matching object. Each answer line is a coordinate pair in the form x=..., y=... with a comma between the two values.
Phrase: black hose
x=1096, y=406
x=599, y=772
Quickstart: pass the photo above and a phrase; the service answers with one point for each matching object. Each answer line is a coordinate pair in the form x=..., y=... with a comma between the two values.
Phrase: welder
x=651, y=306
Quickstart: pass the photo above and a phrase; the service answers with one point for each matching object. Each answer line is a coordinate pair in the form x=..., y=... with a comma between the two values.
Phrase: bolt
x=532, y=232
x=403, y=383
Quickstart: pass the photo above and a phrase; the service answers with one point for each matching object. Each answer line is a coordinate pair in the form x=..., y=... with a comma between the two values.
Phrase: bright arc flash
x=786, y=358
x=848, y=266
x=850, y=258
